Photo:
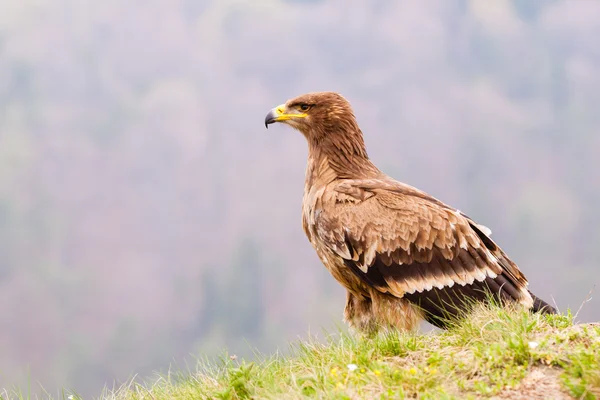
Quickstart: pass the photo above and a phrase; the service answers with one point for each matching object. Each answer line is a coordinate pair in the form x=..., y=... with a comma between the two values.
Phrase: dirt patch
x=540, y=383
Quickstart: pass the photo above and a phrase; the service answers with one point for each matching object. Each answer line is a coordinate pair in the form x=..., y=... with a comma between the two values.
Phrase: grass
x=496, y=352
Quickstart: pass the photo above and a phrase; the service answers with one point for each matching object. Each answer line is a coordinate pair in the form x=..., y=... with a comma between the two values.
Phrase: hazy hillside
x=146, y=215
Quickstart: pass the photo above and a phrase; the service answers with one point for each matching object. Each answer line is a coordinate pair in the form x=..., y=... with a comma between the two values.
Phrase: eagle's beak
x=271, y=117
x=280, y=113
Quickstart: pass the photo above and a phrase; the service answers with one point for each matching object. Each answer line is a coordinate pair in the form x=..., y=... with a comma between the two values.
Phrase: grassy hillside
x=496, y=353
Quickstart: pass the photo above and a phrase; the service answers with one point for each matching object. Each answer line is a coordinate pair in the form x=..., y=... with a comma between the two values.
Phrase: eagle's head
x=327, y=122
x=315, y=114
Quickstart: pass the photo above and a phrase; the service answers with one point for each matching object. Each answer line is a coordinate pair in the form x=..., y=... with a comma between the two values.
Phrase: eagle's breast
x=324, y=235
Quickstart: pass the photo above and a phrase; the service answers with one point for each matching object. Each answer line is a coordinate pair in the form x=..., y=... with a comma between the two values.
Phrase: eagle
x=402, y=255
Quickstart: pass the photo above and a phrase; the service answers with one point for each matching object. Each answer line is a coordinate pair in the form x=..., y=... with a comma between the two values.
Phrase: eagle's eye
x=304, y=107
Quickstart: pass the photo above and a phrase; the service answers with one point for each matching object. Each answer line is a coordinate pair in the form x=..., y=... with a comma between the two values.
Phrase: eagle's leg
x=379, y=311
x=396, y=313
x=358, y=313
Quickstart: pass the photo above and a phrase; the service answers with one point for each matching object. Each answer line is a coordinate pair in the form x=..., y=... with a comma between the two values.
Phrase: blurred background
x=147, y=218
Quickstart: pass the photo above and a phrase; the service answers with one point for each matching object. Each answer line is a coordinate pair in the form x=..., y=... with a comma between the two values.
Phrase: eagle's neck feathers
x=338, y=153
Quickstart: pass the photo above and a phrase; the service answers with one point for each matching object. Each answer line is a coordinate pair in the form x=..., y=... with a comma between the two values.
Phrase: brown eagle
x=402, y=255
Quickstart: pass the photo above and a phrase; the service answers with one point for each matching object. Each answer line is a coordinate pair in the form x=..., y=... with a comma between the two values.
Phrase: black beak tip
x=269, y=119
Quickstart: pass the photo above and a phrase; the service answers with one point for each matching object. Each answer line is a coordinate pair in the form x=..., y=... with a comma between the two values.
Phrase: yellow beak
x=280, y=113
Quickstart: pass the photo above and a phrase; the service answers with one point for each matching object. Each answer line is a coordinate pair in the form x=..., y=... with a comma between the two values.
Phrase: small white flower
x=533, y=345
x=352, y=367
x=70, y=397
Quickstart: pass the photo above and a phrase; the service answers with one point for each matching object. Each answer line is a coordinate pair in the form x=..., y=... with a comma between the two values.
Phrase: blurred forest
x=147, y=217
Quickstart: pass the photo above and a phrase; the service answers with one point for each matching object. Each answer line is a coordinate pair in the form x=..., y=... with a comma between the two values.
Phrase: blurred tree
x=233, y=306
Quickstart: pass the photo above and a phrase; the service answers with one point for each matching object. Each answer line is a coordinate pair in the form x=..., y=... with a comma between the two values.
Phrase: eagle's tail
x=541, y=306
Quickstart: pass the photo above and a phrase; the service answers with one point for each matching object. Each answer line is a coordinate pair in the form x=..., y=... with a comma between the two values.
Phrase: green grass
x=495, y=352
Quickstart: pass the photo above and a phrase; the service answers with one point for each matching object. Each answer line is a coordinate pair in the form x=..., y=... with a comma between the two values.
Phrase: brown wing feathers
x=437, y=286
x=429, y=254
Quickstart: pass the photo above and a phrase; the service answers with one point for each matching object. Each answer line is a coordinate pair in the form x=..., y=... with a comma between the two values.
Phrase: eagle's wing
x=402, y=241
